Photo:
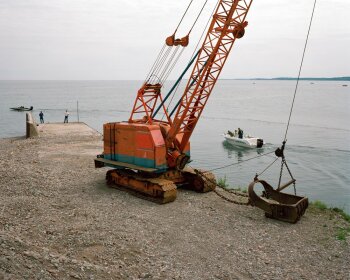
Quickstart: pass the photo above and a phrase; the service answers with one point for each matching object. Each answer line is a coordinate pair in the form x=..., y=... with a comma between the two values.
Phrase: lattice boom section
x=215, y=49
x=145, y=102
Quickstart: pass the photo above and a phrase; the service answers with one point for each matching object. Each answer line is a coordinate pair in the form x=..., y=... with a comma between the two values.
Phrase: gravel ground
x=59, y=220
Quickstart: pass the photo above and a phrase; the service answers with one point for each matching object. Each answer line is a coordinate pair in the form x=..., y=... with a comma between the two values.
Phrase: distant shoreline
x=345, y=79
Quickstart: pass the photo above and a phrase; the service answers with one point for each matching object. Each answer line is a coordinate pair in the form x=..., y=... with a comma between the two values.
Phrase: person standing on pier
x=66, y=117
x=41, y=115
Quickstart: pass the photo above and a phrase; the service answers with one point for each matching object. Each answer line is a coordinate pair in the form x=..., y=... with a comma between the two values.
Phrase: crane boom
x=227, y=25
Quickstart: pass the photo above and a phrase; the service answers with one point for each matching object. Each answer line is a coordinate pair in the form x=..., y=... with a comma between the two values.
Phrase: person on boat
x=41, y=115
x=230, y=133
x=66, y=114
x=240, y=133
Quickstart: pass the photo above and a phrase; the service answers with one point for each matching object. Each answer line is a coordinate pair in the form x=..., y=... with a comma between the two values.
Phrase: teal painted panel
x=136, y=161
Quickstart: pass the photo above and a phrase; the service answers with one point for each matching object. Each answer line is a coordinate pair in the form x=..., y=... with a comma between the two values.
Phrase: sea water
x=318, y=137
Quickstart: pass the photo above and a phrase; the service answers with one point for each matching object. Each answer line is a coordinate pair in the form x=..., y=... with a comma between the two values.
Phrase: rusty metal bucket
x=277, y=205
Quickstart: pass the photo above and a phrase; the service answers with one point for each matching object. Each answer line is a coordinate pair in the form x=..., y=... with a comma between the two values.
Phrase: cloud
x=90, y=39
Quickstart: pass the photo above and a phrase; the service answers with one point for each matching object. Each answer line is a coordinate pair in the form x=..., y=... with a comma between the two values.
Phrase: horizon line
x=254, y=78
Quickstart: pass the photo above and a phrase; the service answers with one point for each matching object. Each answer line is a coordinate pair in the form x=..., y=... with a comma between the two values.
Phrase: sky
x=120, y=39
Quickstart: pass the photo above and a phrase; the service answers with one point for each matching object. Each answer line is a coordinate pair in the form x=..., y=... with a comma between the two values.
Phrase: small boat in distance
x=22, y=108
x=245, y=141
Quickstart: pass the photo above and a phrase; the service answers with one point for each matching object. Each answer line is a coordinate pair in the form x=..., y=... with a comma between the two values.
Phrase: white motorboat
x=246, y=141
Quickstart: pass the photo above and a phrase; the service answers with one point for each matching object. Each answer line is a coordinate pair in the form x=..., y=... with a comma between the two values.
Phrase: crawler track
x=154, y=189
x=162, y=188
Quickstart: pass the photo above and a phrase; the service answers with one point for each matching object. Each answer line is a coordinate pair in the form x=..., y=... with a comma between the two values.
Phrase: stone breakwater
x=59, y=220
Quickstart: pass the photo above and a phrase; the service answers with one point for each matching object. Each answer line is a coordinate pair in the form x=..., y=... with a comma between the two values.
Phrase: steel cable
x=173, y=65
x=293, y=101
x=301, y=65
x=237, y=163
x=167, y=65
x=183, y=16
x=155, y=62
x=195, y=50
x=267, y=167
x=160, y=63
x=200, y=12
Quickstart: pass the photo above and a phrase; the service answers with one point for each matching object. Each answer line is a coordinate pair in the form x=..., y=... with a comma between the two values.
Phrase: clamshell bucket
x=278, y=205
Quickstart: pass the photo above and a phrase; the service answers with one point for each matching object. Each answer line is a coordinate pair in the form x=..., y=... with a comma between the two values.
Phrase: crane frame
x=150, y=156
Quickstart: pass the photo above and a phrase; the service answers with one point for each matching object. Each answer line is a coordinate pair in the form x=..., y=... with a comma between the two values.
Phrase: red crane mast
x=228, y=23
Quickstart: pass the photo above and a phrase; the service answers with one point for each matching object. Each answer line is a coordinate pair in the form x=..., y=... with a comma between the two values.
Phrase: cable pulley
x=239, y=30
x=172, y=41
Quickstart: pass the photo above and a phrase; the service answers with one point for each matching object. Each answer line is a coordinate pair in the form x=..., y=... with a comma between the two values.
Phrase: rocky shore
x=59, y=220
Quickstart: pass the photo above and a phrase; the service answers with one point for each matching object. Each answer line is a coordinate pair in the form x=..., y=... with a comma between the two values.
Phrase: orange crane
x=149, y=156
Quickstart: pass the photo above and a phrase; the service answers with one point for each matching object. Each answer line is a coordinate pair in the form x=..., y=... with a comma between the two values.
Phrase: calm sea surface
x=318, y=140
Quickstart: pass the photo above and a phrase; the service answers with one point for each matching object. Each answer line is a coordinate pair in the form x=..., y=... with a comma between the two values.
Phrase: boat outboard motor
x=259, y=143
